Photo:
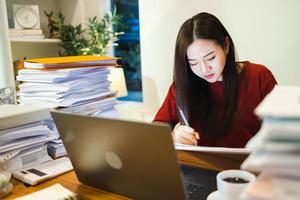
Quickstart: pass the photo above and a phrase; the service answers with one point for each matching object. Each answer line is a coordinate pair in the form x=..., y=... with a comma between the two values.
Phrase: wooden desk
x=69, y=180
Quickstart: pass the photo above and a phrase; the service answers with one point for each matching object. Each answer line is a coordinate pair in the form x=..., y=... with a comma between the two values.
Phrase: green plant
x=101, y=33
x=93, y=40
x=73, y=41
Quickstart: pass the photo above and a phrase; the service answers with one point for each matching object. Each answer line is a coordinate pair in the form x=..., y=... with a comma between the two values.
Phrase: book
x=281, y=102
x=268, y=187
x=26, y=37
x=21, y=32
x=69, y=62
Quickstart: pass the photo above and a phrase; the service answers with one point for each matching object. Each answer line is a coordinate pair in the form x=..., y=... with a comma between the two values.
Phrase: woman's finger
x=189, y=137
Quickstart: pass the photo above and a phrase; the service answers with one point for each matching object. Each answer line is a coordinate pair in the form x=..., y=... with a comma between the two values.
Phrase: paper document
x=30, y=87
x=64, y=102
x=54, y=192
x=20, y=134
x=224, y=150
x=59, y=78
x=20, y=143
x=71, y=71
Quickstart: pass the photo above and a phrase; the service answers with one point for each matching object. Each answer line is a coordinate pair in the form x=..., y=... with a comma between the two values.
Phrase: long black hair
x=192, y=92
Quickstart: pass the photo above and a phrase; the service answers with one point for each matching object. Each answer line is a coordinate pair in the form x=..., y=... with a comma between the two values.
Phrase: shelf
x=46, y=40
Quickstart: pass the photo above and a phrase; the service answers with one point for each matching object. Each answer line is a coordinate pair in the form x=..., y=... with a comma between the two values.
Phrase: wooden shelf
x=46, y=40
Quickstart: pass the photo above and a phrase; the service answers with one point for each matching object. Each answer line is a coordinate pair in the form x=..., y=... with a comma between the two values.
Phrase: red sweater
x=256, y=82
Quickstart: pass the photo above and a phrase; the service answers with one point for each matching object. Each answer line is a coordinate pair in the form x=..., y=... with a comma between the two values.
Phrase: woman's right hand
x=185, y=135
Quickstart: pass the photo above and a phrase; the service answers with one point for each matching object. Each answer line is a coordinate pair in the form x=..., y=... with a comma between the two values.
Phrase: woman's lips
x=209, y=76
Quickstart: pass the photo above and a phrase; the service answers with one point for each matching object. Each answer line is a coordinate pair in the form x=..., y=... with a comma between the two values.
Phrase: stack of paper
x=277, y=146
x=24, y=144
x=77, y=83
x=56, y=148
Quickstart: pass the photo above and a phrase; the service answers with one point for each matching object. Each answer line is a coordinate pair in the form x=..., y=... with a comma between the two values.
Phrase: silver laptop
x=133, y=159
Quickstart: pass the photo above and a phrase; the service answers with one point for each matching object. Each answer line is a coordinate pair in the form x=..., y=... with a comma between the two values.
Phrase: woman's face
x=207, y=59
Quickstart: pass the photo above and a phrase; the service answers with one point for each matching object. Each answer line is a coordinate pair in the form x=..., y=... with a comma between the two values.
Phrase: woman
x=217, y=94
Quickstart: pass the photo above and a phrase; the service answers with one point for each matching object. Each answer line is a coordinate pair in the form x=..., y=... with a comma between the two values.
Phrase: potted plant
x=91, y=41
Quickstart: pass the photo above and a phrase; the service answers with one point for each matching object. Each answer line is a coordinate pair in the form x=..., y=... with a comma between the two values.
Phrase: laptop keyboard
x=191, y=188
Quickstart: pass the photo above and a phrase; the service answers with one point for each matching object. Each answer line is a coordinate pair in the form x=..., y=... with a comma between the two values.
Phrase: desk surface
x=69, y=180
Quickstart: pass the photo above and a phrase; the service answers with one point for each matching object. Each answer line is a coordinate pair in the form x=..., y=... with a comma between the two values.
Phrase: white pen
x=183, y=117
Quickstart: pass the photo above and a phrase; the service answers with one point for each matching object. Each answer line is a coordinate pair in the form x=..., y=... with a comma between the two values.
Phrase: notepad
x=219, y=150
x=54, y=192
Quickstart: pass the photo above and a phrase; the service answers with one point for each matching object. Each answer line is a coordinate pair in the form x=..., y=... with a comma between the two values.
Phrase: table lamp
x=118, y=82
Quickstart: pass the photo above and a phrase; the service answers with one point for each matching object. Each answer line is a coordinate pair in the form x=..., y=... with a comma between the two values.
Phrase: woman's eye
x=211, y=58
x=193, y=64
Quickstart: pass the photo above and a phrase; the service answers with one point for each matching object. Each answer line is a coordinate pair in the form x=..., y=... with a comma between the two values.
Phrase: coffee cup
x=231, y=183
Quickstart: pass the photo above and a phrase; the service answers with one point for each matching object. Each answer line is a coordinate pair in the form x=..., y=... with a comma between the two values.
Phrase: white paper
x=53, y=77
x=224, y=150
x=54, y=192
x=38, y=88
x=71, y=93
x=31, y=86
x=19, y=134
x=91, y=107
x=43, y=101
x=68, y=72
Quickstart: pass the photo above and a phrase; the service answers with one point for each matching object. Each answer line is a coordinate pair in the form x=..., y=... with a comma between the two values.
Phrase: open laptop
x=134, y=159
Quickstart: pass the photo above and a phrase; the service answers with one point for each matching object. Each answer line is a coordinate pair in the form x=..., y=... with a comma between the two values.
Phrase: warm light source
x=118, y=82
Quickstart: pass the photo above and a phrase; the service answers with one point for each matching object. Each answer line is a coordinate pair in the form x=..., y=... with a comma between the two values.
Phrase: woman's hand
x=185, y=135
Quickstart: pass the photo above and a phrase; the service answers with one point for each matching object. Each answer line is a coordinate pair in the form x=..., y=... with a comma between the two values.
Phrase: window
x=129, y=47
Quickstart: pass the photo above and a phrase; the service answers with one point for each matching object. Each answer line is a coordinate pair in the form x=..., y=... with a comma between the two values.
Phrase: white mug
x=232, y=191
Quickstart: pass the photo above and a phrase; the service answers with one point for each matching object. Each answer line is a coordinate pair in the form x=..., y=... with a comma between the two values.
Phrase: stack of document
x=24, y=145
x=277, y=146
x=77, y=84
x=56, y=148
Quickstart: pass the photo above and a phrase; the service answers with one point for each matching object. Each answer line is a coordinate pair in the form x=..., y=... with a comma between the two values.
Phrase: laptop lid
x=134, y=159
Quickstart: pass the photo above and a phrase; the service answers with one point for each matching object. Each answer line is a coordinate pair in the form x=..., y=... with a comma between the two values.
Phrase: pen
x=183, y=117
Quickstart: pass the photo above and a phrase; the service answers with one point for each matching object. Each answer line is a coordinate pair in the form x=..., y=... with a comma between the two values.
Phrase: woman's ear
x=227, y=45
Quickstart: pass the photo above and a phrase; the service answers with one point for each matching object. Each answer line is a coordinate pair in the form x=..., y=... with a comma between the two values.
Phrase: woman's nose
x=205, y=67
